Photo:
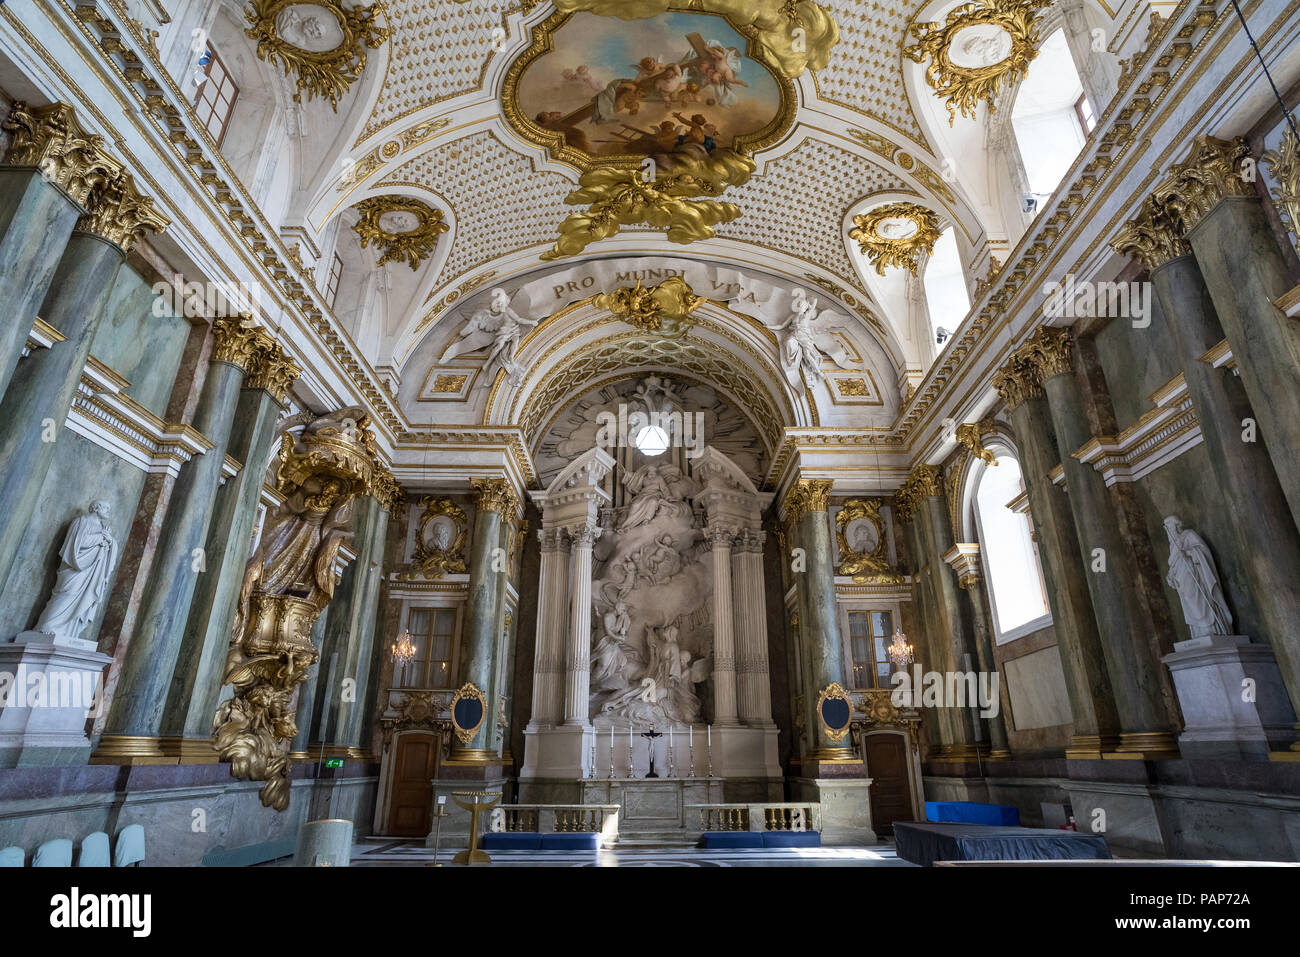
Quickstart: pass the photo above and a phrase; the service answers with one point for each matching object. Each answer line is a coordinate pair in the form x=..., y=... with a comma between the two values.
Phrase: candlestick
x=629, y=749
x=691, y=773
x=670, y=750
x=593, y=757
x=710, y=730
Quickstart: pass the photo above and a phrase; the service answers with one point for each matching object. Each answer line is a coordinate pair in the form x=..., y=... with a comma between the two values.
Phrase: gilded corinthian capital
x=495, y=495
x=807, y=495
x=1050, y=351
x=237, y=343
x=120, y=213
x=1017, y=381
x=921, y=483
x=1214, y=169
x=271, y=369
x=1152, y=237
x=50, y=138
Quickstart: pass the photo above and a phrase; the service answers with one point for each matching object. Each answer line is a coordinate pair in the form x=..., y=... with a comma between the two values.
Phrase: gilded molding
x=412, y=245
x=468, y=690
x=1007, y=32
x=1017, y=381
x=806, y=495
x=970, y=435
x=902, y=251
x=239, y=344
x=121, y=214
x=1284, y=167
x=324, y=73
x=50, y=138
x=665, y=309
x=1214, y=169
x=495, y=495
x=1152, y=237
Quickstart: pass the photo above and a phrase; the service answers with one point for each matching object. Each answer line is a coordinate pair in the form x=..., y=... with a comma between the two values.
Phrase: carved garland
x=1008, y=29
x=324, y=73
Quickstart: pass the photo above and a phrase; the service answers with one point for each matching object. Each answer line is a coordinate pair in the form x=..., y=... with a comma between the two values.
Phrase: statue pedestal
x=47, y=691
x=1223, y=717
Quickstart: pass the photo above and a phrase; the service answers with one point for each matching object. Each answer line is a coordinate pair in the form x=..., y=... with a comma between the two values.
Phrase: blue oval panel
x=468, y=713
x=835, y=712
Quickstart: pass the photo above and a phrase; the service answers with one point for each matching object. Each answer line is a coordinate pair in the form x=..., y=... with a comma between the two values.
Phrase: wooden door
x=411, y=809
x=891, y=795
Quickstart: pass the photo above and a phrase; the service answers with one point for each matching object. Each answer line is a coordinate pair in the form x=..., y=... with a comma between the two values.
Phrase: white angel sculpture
x=498, y=326
x=804, y=337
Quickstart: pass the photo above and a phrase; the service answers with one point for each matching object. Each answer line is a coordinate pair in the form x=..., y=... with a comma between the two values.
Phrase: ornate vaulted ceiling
x=442, y=127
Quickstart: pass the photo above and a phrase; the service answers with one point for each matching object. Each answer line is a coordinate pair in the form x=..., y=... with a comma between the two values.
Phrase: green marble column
x=196, y=682
x=1083, y=662
x=996, y=724
x=371, y=524
x=481, y=631
x=1211, y=201
x=1130, y=630
x=1242, y=470
x=306, y=713
x=36, y=405
x=806, y=505
x=50, y=169
x=928, y=643
x=936, y=534
x=154, y=648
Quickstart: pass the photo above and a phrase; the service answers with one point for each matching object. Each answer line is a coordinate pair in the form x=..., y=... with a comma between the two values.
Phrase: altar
x=655, y=807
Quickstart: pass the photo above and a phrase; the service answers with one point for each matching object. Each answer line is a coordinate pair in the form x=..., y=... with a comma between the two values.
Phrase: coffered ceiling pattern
x=865, y=72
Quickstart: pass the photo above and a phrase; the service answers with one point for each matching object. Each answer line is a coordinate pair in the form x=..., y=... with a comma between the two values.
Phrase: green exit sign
x=333, y=762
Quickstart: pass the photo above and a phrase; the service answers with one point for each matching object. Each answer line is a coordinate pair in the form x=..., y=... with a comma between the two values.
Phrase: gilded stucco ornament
x=978, y=49
x=1284, y=167
x=970, y=436
x=320, y=42
x=496, y=495
x=120, y=213
x=1017, y=381
x=796, y=34
x=238, y=343
x=287, y=583
x=895, y=235
x=271, y=369
x=439, y=539
x=664, y=309
x=50, y=138
x=1152, y=237
x=617, y=197
x=860, y=532
x=921, y=483
x=1050, y=350
x=1214, y=169
x=404, y=229
x=835, y=699
x=807, y=495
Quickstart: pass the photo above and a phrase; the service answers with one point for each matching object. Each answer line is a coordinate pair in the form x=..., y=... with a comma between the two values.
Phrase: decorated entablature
x=288, y=582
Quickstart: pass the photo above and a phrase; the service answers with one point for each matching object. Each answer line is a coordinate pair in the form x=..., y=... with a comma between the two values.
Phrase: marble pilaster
x=1132, y=629
x=1083, y=661
x=724, y=634
x=577, y=659
x=753, y=684
x=548, y=654
x=196, y=683
x=140, y=695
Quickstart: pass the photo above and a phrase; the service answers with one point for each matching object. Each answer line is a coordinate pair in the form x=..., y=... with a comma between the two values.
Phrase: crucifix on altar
x=650, y=747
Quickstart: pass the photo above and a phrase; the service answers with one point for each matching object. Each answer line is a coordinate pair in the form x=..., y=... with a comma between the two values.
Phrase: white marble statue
x=804, y=340
x=1192, y=574
x=498, y=327
x=88, y=555
x=657, y=489
x=608, y=659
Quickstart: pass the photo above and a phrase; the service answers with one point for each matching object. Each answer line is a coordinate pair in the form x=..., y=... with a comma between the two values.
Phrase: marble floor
x=413, y=854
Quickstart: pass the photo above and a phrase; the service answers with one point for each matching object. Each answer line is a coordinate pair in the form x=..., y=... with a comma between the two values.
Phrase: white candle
x=692, y=741
x=710, y=730
x=442, y=799
x=611, y=739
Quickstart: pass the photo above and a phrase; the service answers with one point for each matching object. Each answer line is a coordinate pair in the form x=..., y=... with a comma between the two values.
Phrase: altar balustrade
x=798, y=816
x=556, y=819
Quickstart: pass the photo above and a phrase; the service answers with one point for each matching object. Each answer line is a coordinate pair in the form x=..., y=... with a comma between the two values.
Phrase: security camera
x=1029, y=203
x=941, y=335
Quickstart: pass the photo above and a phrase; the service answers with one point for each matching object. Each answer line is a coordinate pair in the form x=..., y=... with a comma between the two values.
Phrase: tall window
x=1049, y=129
x=433, y=632
x=332, y=287
x=869, y=634
x=215, y=100
x=1011, y=567
x=945, y=287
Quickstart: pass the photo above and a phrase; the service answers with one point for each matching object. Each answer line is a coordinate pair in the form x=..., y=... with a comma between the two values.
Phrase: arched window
x=946, y=295
x=1051, y=116
x=1015, y=580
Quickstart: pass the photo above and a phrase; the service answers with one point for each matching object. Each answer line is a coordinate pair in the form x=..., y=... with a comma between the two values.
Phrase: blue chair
x=130, y=846
x=94, y=851
x=56, y=853
x=11, y=857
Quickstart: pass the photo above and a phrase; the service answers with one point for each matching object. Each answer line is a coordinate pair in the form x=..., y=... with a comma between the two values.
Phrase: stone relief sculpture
x=657, y=488
x=86, y=568
x=498, y=328
x=608, y=659
x=1193, y=575
x=804, y=339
